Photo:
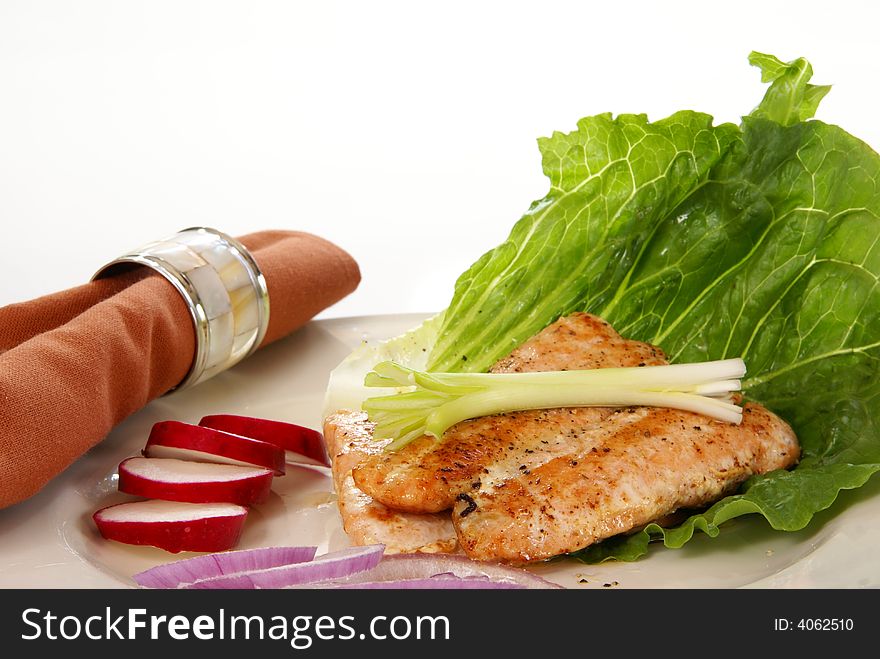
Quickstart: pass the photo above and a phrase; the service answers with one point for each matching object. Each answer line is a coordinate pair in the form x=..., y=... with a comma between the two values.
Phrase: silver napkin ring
x=223, y=287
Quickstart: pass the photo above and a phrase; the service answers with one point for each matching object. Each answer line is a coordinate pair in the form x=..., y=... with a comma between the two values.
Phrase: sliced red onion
x=437, y=582
x=181, y=573
x=411, y=567
x=355, y=567
x=328, y=567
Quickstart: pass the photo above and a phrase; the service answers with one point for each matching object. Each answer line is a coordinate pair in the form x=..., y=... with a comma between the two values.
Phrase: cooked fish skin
x=427, y=475
x=658, y=462
x=349, y=439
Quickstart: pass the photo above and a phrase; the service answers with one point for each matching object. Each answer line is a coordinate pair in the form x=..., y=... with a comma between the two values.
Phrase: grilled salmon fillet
x=427, y=475
x=349, y=439
x=530, y=485
x=654, y=462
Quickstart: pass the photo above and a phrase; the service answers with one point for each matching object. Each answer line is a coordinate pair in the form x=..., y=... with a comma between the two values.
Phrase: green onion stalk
x=430, y=403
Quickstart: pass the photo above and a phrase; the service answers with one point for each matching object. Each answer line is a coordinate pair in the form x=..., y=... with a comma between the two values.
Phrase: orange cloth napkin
x=76, y=363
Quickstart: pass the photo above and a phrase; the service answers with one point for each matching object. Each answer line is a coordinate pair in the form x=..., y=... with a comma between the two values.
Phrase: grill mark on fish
x=631, y=481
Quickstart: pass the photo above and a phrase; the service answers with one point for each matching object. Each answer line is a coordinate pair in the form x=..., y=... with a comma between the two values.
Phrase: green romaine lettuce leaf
x=346, y=390
x=610, y=181
x=790, y=98
x=760, y=241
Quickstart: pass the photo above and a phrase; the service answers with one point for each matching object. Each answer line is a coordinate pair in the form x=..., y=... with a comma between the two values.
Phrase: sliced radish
x=303, y=445
x=184, y=441
x=196, y=482
x=337, y=565
x=172, y=525
x=180, y=573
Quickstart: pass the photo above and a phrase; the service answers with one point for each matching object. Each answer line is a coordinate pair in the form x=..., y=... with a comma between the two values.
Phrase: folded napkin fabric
x=74, y=364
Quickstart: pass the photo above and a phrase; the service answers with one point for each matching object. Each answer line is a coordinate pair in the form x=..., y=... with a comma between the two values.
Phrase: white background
x=405, y=132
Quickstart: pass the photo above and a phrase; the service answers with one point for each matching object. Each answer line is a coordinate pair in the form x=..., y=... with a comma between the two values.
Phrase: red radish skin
x=305, y=444
x=194, y=482
x=175, y=439
x=172, y=525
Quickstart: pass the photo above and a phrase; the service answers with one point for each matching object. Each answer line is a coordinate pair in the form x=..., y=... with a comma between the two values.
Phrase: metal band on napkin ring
x=223, y=288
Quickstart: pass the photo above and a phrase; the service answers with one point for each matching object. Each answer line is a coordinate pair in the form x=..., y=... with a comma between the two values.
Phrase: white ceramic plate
x=50, y=540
